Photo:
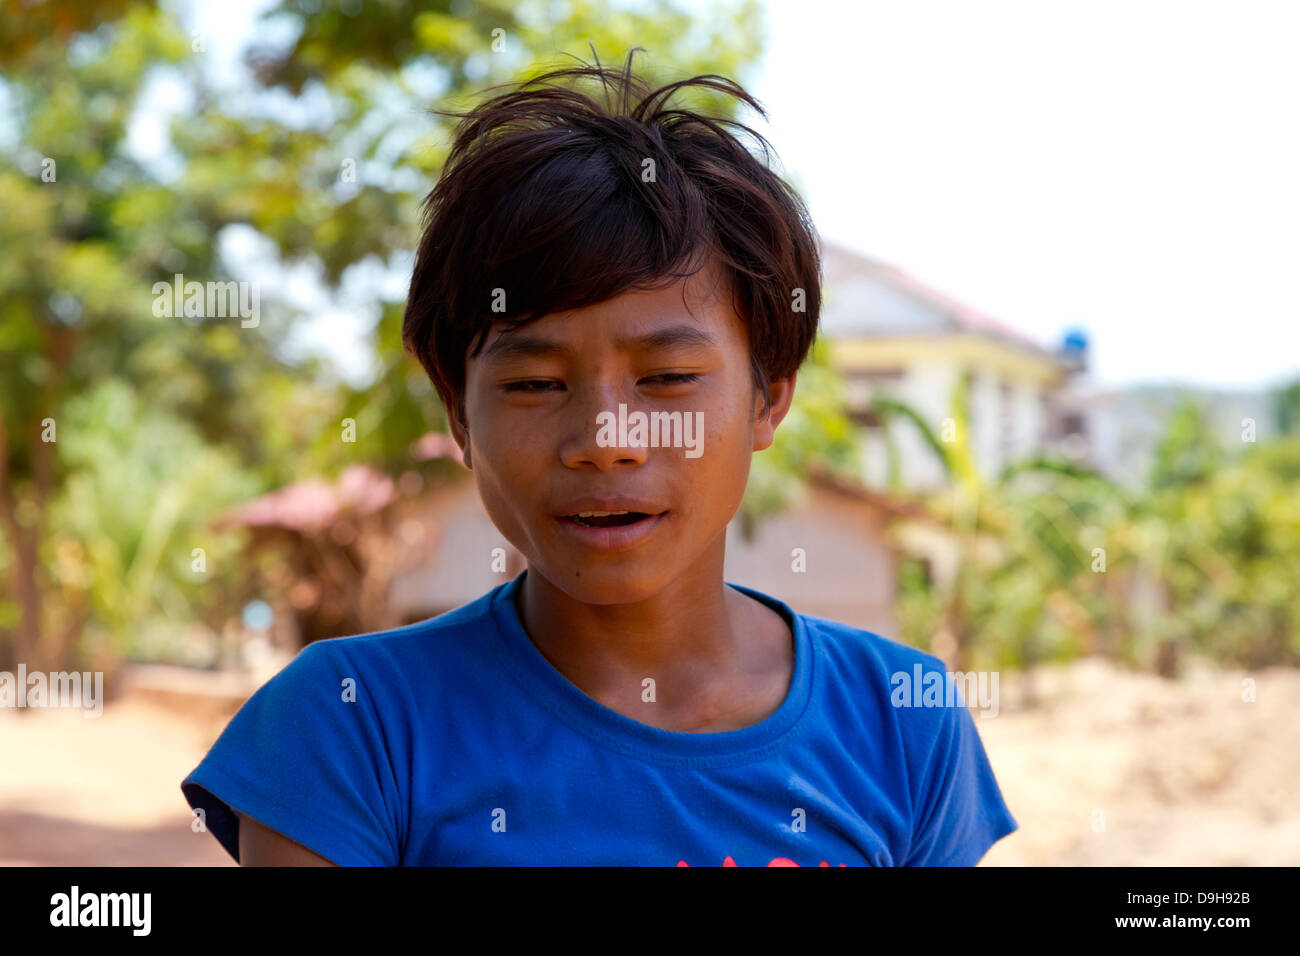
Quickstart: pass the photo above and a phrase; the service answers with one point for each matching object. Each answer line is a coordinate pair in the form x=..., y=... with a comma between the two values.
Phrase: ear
x=781, y=393
x=460, y=432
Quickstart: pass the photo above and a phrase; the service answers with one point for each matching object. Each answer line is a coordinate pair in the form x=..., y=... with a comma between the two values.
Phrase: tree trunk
x=26, y=588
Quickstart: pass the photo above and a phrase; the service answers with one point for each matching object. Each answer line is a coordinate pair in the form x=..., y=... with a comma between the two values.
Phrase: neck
x=694, y=638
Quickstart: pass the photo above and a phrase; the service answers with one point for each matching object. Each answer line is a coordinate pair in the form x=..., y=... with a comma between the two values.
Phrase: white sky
x=1129, y=167
x=1132, y=167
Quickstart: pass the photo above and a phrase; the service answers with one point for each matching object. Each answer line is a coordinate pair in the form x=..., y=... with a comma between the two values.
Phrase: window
x=1006, y=421
x=862, y=385
x=861, y=388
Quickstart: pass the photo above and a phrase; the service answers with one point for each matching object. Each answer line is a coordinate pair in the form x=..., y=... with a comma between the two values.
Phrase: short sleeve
x=305, y=755
x=960, y=812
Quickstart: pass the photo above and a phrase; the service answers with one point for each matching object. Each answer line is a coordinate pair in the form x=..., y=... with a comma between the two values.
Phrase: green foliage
x=919, y=605
x=1189, y=451
x=816, y=434
x=140, y=487
x=1233, y=557
x=163, y=421
x=1286, y=409
x=1061, y=562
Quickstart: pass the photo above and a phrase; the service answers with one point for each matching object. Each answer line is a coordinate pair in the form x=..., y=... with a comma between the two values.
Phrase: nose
x=599, y=430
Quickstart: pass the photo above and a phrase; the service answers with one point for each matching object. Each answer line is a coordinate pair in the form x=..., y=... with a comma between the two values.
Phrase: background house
x=848, y=552
x=367, y=552
x=373, y=552
x=1128, y=423
x=895, y=336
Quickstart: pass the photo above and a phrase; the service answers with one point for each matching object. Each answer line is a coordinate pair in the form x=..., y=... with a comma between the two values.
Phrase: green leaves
x=163, y=421
x=815, y=434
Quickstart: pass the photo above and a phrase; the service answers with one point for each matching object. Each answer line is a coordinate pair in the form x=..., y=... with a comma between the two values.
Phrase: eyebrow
x=516, y=346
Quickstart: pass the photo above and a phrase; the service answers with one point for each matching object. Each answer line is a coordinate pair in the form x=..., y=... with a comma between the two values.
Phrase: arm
x=308, y=762
x=259, y=845
x=959, y=808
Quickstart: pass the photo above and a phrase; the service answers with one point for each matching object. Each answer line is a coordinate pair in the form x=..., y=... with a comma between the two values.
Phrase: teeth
x=599, y=514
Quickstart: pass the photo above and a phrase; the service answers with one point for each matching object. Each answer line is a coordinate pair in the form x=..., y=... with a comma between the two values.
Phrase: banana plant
x=1021, y=548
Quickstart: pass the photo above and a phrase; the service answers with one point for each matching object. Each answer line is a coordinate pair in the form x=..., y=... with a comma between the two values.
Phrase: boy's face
x=537, y=448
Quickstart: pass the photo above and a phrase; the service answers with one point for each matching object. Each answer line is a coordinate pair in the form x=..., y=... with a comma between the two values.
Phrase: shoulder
x=917, y=710
x=866, y=655
x=435, y=645
x=863, y=653
x=890, y=690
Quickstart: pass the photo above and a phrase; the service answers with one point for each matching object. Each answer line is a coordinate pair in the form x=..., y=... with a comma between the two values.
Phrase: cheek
x=502, y=466
x=504, y=492
x=728, y=448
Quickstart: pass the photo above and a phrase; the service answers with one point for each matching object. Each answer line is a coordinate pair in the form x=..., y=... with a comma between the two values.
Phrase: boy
x=617, y=703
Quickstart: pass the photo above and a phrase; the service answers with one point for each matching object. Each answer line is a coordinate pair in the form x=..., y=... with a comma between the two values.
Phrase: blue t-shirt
x=454, y=741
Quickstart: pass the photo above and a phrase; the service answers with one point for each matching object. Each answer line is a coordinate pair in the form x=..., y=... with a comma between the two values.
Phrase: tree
x=327, y=157
x=816, y=435
x=86, y=232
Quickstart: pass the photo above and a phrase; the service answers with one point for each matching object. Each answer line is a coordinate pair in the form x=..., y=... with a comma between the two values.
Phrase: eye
x=677, y=378
x=537, y=385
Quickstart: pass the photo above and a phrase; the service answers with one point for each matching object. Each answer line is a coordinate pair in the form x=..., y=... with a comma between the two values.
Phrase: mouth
x=607, y=519
x=610, y=531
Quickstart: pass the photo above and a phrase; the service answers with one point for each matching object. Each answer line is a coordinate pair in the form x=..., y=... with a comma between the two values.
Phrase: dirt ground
x=1184, y=773
x=1113, y=768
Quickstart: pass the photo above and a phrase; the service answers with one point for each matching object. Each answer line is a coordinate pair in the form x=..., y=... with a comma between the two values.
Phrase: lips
x=610, y=524
x=607, y=519
x=615, y=538
x=616, y=506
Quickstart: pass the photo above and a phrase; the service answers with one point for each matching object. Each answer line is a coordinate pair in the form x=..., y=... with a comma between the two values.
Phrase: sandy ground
x=102, y=791
x=1113, y=768
x=1124, y=769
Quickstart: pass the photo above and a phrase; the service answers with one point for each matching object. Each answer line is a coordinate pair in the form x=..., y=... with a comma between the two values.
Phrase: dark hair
x=542, y=195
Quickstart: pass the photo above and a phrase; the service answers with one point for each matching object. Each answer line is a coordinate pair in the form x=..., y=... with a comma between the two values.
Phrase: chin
x=607, y=581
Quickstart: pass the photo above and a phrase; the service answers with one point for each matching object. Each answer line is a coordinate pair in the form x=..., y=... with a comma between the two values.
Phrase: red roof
x=314, y=504
x=840, y=262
